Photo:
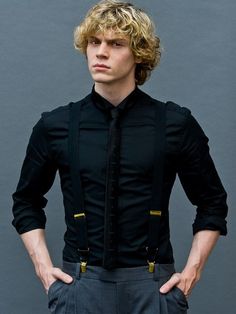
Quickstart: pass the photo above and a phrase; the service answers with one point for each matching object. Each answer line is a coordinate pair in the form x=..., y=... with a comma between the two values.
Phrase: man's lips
x=101, y=66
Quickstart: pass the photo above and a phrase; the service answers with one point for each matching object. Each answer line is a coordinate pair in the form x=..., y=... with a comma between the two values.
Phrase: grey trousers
x=119, y=291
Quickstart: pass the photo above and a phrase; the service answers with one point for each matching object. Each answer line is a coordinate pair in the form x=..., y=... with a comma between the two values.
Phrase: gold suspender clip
x=83, y=266
x=151, y=267
x=79, y=215
x=155, y=212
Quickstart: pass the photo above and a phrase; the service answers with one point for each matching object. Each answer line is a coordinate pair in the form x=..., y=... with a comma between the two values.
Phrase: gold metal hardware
x=79, y=215
x=151, y=267
x=83, y=266
x=155, y=212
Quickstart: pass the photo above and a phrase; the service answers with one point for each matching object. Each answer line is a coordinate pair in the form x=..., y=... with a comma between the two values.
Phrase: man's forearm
x=36, y=246
x=202, y=245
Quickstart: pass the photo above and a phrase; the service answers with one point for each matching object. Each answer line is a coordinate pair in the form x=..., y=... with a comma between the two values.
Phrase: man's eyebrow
x=118, y=39
x=110, y=40
x=93, y=37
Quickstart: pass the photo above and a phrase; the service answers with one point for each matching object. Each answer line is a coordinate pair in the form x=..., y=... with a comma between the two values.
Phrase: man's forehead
x=110, y=35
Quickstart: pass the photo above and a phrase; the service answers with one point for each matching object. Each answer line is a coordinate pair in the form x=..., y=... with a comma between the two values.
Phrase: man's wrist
x=193, y=272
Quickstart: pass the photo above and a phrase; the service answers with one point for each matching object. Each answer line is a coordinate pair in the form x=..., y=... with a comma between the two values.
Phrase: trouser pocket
x=61, y=299
x=173, y=302
x=176, y=299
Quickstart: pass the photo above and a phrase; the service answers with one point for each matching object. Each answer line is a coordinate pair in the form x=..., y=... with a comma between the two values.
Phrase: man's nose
x=102, y=51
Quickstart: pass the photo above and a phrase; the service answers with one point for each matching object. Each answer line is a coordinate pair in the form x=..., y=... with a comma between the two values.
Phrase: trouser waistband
x=119, y=274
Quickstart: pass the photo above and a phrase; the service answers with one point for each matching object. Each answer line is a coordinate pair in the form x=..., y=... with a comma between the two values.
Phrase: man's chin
x=102, y=81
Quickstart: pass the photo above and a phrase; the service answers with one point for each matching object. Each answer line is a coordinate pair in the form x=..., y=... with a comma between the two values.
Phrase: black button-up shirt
x=187, y=154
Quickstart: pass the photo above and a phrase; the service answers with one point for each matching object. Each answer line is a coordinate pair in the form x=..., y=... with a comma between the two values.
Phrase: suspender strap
x=155, y=210
x=78, y=200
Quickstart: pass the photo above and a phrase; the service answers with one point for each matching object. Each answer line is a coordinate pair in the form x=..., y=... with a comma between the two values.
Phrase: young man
x=118, y=152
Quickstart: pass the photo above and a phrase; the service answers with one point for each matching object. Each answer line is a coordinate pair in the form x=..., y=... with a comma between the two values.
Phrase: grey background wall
x=40, y=71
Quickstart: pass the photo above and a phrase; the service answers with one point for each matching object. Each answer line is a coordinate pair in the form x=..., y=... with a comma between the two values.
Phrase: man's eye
x=93, y=41
x=117, y=44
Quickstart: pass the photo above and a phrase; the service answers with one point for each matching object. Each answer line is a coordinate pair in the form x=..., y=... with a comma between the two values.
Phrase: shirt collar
x=104, y=105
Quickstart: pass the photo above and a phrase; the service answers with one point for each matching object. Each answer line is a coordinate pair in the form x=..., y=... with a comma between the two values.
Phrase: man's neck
x=114, y=93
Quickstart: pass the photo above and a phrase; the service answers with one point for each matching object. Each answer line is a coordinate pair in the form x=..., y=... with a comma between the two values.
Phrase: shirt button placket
x=110, y=234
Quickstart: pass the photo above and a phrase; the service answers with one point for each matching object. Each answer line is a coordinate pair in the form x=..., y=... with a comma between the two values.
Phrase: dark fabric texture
x=122, y=291
x=187, y=154
x=112, y=187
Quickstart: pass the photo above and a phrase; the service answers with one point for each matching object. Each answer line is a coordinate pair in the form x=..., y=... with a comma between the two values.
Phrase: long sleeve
x=200, y=180
x=37, y=176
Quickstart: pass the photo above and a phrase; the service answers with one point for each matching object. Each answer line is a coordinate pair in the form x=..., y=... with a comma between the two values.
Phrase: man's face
x=110, y=59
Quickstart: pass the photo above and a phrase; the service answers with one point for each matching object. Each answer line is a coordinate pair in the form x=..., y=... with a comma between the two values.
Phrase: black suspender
x=155, y=207
x=78, y=210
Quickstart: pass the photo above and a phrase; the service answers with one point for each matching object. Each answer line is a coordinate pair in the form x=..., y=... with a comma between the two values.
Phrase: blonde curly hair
x=125, y=19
